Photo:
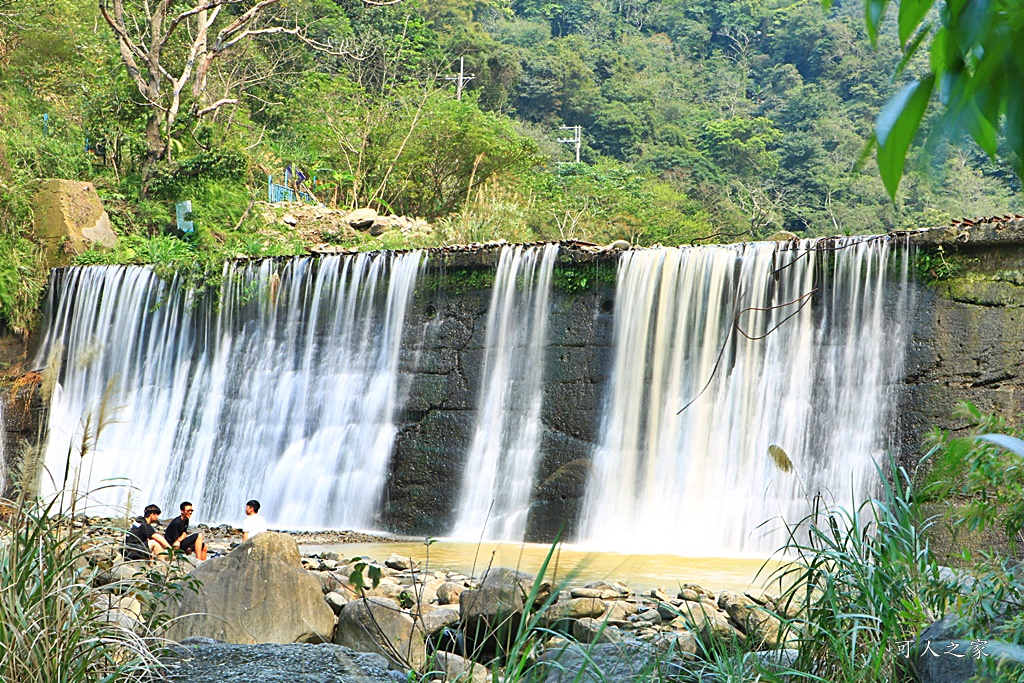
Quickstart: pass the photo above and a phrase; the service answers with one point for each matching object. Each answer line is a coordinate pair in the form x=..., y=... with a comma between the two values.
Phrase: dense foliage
x=721, y=118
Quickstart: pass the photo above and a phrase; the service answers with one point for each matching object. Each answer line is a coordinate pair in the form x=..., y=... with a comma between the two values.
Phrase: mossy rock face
x=68, y=219
x=442, y=377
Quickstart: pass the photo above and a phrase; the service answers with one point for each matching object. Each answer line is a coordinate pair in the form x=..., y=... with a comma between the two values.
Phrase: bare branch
x=215, y=106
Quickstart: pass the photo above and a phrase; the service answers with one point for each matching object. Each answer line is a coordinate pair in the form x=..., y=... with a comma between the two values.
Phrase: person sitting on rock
x=254, y=522
x=177, y=534
x=142, y=542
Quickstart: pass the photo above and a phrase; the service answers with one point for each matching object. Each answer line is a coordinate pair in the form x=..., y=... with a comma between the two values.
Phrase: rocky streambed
x=443, y=625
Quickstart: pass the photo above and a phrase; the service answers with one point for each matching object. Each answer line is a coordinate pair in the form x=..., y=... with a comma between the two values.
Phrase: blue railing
x=277, y=192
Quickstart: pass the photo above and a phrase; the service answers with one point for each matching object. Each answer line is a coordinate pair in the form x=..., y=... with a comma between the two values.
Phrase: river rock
x=620, y=610
x=458, y=669
x=336, y=601
x=448, y=593
x=257, y=593
x=438, y=619
x=68, y=217
x=203, y=662
x=427, y=592
x=624, y=662
x=651, y=616
x=503, y=592
x=704, y=619
x=763, y=630
x=595, y=631
x=621, y=590
x=396, y=561
x=679, y=643
x=380, y=625
x=598, y=593
x=575, y=608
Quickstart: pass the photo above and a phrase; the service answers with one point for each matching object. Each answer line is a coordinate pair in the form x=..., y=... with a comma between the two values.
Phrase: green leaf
x=910, y=50
x=1014, y=126
x=896, y=127
x=356, y=576
x=375, y=575
x=911, y=14
x=874, y=11
x=1005, y=441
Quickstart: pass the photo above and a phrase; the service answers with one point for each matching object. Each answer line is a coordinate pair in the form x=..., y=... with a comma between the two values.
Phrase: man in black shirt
x=142, y=542
x=177, y=534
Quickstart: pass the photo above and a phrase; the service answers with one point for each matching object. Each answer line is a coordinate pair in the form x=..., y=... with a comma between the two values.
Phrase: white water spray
x=498, y=476
x=819, y=386
x=285, y=391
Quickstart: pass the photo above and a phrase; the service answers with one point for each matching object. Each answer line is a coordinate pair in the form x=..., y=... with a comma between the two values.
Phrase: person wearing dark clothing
x=142, y=541
x=177, y=534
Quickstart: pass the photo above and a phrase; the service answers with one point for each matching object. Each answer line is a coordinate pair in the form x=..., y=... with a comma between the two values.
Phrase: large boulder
x=763, y=629
x=456, y=669
x=202, y=662
x=258, y=593
x=380, y=625
x=361, y=219
x=69, y=218
x=705, y=619
x=448, y=593
x=626, y=662
x=503, y=592
x=932, y=663
x=575, y=608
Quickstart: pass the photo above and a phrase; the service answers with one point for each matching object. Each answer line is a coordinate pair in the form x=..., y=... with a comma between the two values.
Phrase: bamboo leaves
x=979, y=75
x=896, y=128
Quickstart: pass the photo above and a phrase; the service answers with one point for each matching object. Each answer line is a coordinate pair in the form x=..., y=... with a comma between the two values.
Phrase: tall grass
x=55, y=625
x=862, y=582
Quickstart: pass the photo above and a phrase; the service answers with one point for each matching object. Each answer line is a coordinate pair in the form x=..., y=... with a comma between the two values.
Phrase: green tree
x=975, y=71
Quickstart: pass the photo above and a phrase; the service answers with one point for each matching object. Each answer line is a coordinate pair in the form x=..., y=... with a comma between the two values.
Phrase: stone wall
x=441, y=371
x=967, y=334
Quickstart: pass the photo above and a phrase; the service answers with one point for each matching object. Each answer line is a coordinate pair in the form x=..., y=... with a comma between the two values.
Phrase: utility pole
x=462, y=79
x=576, y=139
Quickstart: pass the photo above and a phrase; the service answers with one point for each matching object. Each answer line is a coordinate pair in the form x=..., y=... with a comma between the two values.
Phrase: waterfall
x=283, y=389
x=819, y=386
x=498, y=476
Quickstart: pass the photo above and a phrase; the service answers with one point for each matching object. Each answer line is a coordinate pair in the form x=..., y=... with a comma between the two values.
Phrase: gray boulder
x=361, y=219
x=575, y=608
x=595, y=631
x=456, y=669
x=503, y=592
x=435, y=620
x=449, y=593
x=763, y=630
x=380, y=625
x=933, y=666
x=203, y=662
x=258, y=593
x=626, y=662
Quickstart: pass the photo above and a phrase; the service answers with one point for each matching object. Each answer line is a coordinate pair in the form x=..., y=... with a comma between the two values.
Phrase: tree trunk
x=155, y=150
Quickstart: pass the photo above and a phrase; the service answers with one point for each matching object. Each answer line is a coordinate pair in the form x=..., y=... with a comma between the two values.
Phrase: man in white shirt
x=254, y=523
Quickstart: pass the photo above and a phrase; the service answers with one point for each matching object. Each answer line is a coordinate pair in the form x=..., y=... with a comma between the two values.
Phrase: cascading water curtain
x=498, y=476
x=820, y=386
x=283, y=390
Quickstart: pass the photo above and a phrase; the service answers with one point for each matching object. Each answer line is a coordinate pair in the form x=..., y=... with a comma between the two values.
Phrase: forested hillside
x=701, y=119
